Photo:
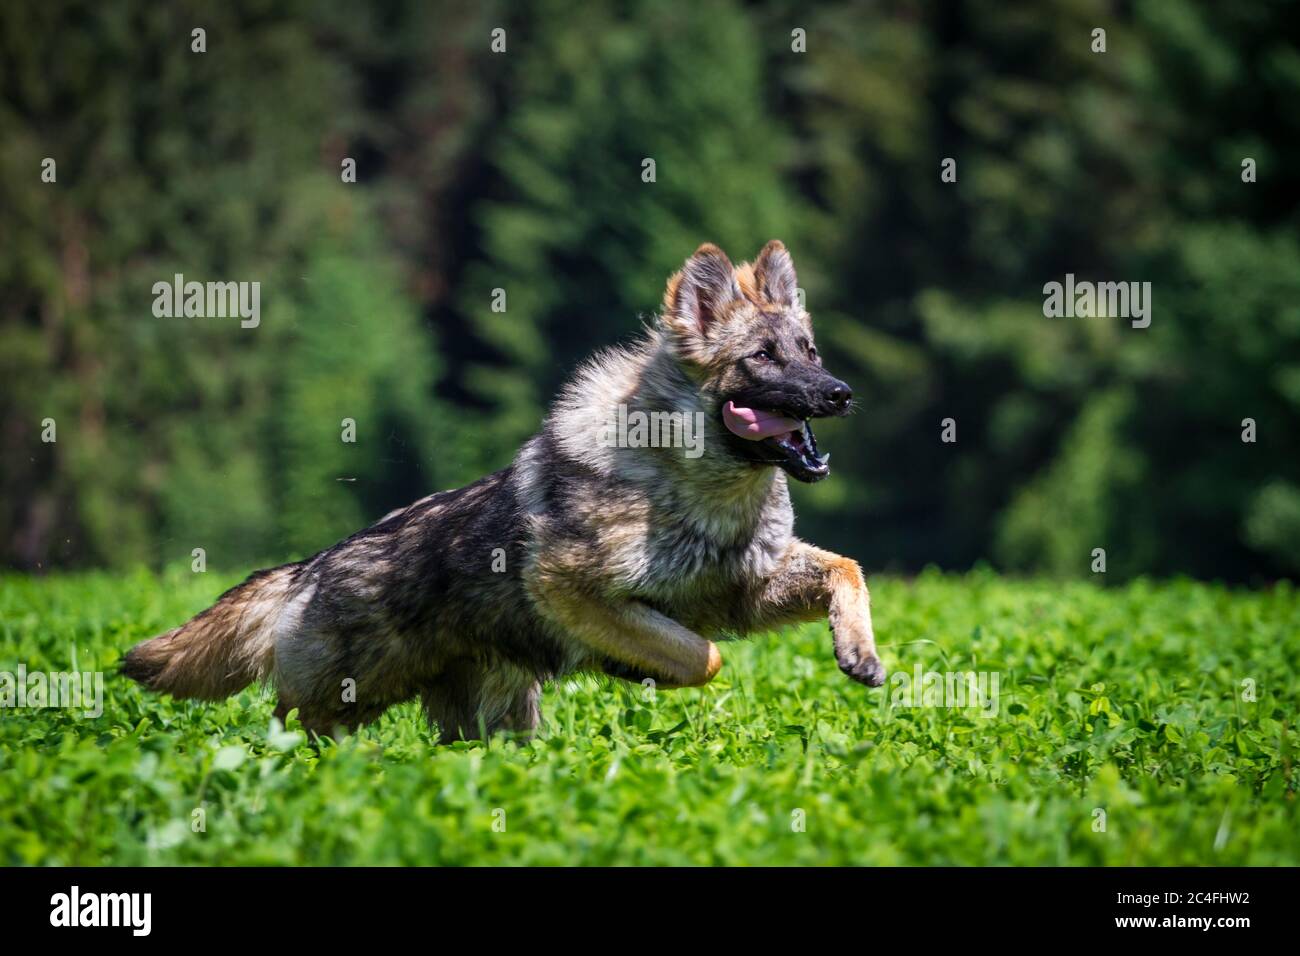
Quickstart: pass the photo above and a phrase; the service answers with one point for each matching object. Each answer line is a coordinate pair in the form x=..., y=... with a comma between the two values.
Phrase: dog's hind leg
x=469, y=699
x=311, y=722
x=322, y=721
x=452, y=701
x=525, y=713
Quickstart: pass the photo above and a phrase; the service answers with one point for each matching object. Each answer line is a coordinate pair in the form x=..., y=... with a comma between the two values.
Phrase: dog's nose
x=839, y=395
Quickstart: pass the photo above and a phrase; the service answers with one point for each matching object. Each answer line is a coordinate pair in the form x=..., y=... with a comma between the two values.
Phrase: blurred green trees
x=569, y=228
x=1072, y=433
x=181, y=433
x=522, y=171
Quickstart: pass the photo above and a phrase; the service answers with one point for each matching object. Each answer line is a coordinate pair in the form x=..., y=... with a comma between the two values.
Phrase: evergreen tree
x=206, y=164
x=574, y=234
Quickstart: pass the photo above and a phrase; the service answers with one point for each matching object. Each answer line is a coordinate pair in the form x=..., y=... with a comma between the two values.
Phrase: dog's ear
x=700, y=292
x=774, y=274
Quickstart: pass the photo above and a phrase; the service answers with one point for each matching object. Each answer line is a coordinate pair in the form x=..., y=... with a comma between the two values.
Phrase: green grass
x=1127, y=701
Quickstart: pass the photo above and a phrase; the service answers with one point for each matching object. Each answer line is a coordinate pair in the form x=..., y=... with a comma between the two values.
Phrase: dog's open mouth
x=790, y=442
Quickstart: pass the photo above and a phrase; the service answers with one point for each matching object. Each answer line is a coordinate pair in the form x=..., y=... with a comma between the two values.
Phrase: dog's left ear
x=774, y=274
x=700, y=293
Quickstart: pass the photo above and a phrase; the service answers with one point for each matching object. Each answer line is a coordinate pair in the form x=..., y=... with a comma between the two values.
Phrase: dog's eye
x=763, y=355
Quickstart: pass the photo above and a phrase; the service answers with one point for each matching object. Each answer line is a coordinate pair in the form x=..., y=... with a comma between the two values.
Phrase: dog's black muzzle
x=804, y=392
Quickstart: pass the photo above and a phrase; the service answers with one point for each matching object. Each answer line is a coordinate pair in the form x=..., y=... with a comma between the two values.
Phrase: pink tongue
x=754, y=424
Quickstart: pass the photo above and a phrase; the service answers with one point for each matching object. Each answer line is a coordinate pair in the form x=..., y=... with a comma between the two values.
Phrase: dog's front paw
x=863, y=667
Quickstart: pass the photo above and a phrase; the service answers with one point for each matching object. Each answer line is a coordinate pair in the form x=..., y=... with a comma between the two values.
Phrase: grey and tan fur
x=624, y=560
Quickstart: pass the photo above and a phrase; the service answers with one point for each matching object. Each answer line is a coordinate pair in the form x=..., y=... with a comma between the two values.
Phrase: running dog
x=585, y=554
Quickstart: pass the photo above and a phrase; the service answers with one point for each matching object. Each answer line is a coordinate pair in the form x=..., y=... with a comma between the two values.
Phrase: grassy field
x=1121, y=733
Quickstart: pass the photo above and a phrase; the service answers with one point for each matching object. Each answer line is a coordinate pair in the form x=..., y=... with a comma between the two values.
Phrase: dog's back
x=428, y=601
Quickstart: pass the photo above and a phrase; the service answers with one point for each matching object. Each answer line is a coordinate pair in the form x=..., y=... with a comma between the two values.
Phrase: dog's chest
x=695, y=570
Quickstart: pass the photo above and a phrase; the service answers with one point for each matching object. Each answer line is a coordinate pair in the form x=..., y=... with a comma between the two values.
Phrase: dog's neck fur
x=718, y=491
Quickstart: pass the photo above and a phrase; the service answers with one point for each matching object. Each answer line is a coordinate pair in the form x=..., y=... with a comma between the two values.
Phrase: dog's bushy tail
x=223, y=649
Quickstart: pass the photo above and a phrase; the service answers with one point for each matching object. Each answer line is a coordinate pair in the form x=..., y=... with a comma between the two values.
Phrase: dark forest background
x=522, y=170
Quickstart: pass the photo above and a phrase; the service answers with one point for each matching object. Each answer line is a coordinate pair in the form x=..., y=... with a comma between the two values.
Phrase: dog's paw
x=865, y=669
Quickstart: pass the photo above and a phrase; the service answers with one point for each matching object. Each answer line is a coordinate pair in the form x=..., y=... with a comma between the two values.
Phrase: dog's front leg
x=637, y=641
x=811, y=583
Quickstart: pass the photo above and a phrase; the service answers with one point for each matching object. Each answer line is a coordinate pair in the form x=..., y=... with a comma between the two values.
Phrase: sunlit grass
x=1127, y=707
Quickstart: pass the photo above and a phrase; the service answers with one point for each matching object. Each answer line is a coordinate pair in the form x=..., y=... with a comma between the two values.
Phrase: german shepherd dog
x=582, y=555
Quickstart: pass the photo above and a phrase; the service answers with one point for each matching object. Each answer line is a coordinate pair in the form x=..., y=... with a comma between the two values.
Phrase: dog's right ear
x=700, y=293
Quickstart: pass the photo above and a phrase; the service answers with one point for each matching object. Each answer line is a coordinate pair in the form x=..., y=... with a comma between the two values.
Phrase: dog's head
x=741, y=333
